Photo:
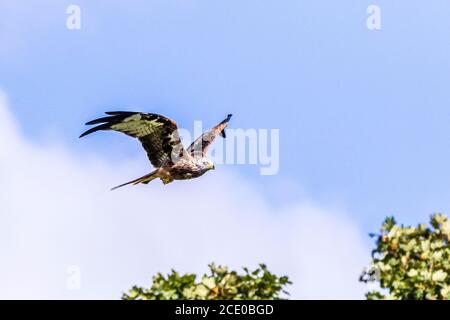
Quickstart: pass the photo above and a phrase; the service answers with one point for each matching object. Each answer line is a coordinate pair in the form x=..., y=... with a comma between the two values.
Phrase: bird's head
x=208, y=164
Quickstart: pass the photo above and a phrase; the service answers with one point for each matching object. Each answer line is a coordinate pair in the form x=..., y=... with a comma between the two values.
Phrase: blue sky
x=363, y=115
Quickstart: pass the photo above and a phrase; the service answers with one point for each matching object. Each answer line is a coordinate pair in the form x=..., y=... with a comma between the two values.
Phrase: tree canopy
x=407, y=263
x=411, y=262
x=219, y=284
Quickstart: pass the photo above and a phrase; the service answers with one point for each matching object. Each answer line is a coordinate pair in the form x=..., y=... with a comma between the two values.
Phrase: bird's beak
x=213, y=167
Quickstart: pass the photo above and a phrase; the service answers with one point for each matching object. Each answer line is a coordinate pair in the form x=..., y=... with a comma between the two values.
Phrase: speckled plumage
x=160, y=139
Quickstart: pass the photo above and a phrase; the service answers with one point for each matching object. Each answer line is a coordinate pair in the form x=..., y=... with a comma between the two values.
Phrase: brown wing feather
x=201, y=145
x=158, y=134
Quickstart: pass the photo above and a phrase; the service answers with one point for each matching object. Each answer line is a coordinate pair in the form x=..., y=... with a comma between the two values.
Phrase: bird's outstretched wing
x=200, y=146
x=158, y=134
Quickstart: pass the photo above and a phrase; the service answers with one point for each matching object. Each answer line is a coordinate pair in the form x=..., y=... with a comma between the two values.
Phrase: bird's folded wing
x=158, y=134
x=200, y=146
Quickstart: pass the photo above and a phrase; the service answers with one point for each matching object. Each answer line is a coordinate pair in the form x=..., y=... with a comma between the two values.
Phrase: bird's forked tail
x=145, y=179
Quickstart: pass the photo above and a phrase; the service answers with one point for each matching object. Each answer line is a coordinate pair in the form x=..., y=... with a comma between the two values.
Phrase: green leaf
x=412, y=273
x=439, y=275
x=218, y=284
x=412, y=262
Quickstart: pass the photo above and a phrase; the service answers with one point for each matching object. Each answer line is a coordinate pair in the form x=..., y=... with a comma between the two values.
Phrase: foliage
x=411, y=262
x=220, y=284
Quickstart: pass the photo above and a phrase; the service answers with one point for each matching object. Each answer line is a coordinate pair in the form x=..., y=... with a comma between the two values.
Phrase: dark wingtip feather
x=84, y=134
x=104, y=126
x=227, y=118
x=113, y=116
x=106, y=122
x=87, y=132
x=119, y=113
x=222, y=133
x=99, y=120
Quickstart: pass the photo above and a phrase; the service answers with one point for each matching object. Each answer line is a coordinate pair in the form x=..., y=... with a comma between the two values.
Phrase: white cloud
x=57, y=211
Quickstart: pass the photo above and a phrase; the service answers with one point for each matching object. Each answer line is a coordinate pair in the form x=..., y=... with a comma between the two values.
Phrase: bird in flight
x=160, y=139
